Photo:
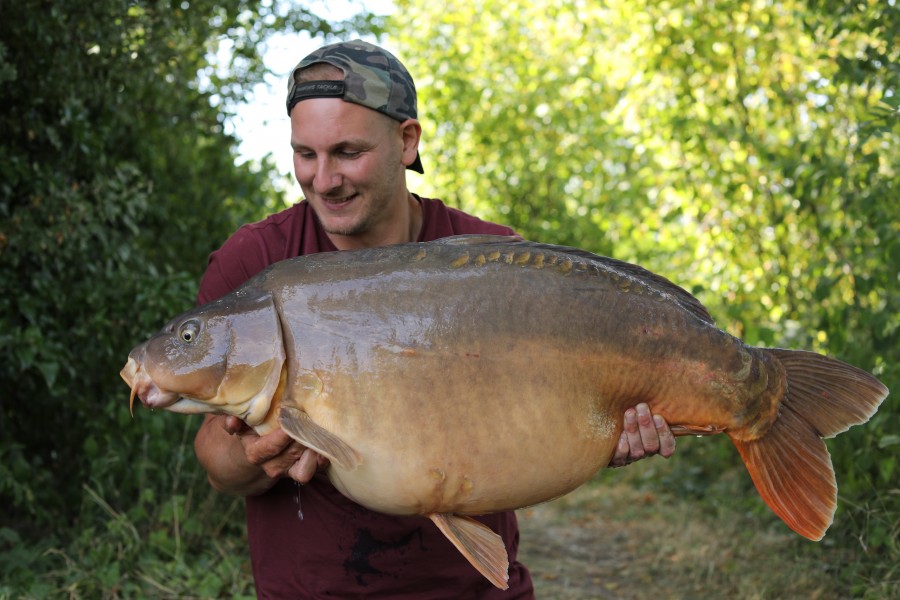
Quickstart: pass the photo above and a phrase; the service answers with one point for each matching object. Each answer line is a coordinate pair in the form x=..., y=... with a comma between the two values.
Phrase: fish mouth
x=143, y=386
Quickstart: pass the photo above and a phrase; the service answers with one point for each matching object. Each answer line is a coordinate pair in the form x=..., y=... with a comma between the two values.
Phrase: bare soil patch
x=614, y=541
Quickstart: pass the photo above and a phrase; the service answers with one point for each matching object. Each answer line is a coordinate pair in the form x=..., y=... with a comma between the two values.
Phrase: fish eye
x=189, y=331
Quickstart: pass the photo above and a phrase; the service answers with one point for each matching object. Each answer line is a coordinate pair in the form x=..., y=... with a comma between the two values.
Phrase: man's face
x=348, y=160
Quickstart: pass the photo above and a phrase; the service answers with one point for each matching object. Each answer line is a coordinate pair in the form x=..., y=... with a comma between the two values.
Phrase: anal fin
x=481, y=546
x=300, y=426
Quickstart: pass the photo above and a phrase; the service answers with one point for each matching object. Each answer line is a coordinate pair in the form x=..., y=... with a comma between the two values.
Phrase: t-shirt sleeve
x=442, y=221
x=467, y=224
x=241, y=257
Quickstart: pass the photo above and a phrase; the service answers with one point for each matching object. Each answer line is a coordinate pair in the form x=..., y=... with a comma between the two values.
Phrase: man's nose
x=327, y=177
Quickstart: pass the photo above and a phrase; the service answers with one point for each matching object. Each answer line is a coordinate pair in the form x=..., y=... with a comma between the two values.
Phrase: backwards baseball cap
x=373, y=77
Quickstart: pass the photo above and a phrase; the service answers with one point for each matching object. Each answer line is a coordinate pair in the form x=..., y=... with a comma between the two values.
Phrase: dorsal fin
x=658, y=282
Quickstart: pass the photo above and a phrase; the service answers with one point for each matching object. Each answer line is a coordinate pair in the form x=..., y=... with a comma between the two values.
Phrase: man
x=354, y=132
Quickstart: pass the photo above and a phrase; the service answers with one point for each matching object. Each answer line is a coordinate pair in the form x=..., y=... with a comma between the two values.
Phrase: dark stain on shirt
x=366, y=546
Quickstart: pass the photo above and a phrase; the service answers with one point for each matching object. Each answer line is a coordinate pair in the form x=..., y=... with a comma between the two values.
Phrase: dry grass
x=610, y=540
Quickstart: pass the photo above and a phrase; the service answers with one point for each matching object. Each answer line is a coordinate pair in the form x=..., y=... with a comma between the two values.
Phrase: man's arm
x=242, y=463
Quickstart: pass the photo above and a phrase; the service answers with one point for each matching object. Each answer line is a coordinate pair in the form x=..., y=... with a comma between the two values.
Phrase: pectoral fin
x=481, y=546
x=298, y=424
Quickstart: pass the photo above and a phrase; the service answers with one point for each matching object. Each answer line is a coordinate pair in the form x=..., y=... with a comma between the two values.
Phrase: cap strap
x=315, y=89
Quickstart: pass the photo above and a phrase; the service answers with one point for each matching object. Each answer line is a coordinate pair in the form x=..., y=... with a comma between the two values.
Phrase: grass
x=624, y=536
x=117, y=557
x=178, y=540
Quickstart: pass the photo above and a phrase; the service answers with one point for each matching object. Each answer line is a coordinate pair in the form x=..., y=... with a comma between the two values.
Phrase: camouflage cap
x=373, y=77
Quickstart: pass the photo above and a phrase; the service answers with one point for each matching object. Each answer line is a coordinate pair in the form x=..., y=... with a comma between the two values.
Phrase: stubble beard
x=375, y=208
x=360, y=226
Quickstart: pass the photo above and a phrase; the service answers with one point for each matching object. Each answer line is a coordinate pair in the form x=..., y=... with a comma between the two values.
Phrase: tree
x=745, y=150
x=116, y=181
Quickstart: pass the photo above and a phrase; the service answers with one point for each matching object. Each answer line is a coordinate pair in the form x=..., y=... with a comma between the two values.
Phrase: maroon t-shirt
x=310, y=541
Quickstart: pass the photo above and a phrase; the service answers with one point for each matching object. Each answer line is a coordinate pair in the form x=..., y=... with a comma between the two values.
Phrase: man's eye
x=350, y=153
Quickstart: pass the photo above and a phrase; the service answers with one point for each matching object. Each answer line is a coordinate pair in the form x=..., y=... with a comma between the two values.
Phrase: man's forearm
x=223, y=457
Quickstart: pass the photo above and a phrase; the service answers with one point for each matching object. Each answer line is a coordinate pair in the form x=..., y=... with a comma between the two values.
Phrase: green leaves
x=745, y=150
x=117, y=180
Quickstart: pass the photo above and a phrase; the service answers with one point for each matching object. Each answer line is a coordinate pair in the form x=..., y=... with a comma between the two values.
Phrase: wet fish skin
x=479, y=374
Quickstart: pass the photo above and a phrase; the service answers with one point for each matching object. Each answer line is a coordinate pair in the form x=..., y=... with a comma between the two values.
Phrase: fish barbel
x=478, y=374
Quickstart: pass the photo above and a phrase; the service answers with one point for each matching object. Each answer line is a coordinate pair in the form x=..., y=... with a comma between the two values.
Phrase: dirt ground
x=613, y=541
x=576, y=554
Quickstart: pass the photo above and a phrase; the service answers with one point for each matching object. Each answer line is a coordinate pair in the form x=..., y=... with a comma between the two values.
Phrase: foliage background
x=745, y=149
x=116, y=181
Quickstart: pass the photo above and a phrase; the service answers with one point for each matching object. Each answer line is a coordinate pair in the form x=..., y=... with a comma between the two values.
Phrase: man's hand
x=644, y=435
x=276, y=453
x=242, y=463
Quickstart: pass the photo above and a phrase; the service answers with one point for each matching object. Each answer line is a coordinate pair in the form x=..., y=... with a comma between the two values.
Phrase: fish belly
x=482, y=440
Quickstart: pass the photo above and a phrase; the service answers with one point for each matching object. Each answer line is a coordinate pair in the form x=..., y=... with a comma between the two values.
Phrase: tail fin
x=790, y=464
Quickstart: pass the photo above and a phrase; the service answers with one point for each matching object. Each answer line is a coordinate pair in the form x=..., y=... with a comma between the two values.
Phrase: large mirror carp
x=478, y=374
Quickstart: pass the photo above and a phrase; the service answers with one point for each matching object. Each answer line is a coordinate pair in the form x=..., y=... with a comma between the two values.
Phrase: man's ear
x=410, y=133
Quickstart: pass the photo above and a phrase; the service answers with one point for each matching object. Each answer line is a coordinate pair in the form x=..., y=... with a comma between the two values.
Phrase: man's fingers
x=233, y=425
x=261, y=449
x=620, y=458
x=644, y=434
x=666, y=437
x=632, y=432
x=647, y=428
x=304, y=469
